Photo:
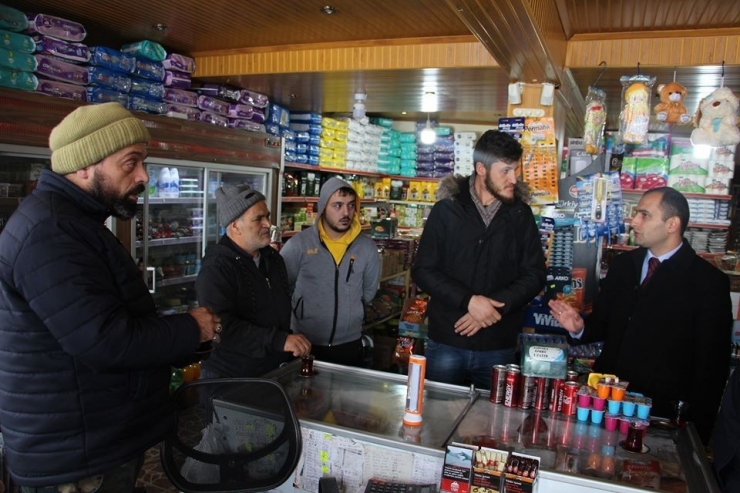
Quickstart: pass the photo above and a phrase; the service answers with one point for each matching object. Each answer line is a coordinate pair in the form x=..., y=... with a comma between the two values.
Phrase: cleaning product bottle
x=164, y=182
x=174, y=183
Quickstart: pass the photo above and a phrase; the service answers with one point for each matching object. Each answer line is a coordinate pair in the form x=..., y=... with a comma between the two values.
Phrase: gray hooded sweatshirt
x=328, y=299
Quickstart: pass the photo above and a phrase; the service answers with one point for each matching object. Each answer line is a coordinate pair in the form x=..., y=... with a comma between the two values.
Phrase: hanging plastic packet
x=635, y=115
x=595, y=120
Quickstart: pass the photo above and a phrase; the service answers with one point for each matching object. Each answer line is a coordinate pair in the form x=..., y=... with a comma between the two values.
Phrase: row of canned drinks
x=512, y=389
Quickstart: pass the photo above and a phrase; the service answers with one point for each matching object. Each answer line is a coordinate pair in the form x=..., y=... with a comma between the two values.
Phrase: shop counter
x=351, y=420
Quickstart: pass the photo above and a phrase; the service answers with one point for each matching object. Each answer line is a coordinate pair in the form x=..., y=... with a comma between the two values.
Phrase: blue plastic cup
x=628, y=408
x=582, y=413
x=643, y=411
x=613, y=406
x=597, y=416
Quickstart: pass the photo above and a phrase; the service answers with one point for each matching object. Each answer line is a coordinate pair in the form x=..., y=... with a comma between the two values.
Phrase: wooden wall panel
x=429, y=55
x=667, y=51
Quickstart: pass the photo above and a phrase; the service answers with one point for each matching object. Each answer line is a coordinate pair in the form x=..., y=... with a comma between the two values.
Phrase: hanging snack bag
x=635, y=115
x=595, y=120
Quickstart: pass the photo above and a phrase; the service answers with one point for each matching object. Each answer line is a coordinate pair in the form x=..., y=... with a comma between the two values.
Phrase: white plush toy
x=716, y=120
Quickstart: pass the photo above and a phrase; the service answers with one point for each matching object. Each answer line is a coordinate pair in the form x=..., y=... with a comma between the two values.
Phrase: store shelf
x=310, y=200
x=626, y=248
x=407, y=202
x=171, y=241
x=172, y=200
x=344, y=171
x=177, y=280
x=696, y=225
x=382, y=320
x=687, y=195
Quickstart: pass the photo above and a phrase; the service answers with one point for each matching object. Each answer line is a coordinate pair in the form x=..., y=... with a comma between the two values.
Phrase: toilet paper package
x=17, y=79
x=62, y=90
x=255, y=99
x=146, y=88
x=180, y=80
x=137, y=103
x=97, y=95
x=149, y=70
x=208, y=103
x=56, y=69
x=100, y=76
x=221, y=91
x=180, y=63
x=193, y=114
x=17, y=42
x=214, y=118
x=111, y=59
x=16, y=60
x=151, y=50
x=241, y=111
x=246, y=125
x=73, y=52
x=12, y=19
x=180, y=96
x=56, y=27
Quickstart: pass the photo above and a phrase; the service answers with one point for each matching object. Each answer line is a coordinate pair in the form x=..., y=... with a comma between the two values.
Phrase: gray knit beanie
x=233, y=200
x=327, y=190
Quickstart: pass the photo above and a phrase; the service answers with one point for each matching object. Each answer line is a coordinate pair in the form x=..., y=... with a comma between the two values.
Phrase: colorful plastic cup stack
x=624, y=425
x=584, y=399
x=613, y=406
x=611, y=421
x=603, y=390
x=597, y=416
x=643, y=410
x=618, y=391
x=598, y=403
x=628, y=408
x=582, y=413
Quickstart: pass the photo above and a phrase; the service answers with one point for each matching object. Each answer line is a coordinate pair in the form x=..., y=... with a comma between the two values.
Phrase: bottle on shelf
x=174, y=188
x=164, y=182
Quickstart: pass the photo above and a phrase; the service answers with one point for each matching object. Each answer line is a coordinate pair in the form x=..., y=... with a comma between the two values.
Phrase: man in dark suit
x=665, y=325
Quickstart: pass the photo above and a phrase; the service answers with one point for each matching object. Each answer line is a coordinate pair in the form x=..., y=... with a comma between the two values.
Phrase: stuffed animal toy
x=716, y=120
x=671, y=108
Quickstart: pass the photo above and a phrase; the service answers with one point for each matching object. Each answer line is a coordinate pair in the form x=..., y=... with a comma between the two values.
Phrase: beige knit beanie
x=91, y=133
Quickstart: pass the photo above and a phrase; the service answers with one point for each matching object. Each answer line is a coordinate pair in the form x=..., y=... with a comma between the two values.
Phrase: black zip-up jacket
x=84, y=359
x=459, y=257
x=254, y=309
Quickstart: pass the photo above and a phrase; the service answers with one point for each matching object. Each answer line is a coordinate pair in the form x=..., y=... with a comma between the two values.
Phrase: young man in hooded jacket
x=481, y=261
x=334, y=269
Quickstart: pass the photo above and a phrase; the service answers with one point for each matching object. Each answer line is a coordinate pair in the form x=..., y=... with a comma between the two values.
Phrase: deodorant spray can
x=415, y=390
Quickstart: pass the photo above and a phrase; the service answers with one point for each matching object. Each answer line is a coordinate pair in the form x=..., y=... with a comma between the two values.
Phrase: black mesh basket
x=232, y=435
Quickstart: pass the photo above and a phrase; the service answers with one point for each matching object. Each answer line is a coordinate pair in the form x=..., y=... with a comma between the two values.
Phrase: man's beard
x=496, y=192
x=118, y=205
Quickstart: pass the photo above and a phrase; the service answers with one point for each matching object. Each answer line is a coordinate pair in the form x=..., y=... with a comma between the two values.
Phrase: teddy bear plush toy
x=671, y=108
x=716, y=120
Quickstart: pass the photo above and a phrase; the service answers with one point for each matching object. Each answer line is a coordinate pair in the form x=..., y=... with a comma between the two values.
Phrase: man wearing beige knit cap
x=86, y=361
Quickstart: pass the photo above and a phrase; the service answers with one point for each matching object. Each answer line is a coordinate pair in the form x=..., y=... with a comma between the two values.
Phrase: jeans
x=119, y=480
x=457, y=366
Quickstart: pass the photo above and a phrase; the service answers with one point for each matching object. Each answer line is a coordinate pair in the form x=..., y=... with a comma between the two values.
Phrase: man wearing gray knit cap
x=245, y=282
x=334, y=269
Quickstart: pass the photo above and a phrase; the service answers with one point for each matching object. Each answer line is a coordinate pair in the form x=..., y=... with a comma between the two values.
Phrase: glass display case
x=367, y=407
x=176, y=221
x=20, y=168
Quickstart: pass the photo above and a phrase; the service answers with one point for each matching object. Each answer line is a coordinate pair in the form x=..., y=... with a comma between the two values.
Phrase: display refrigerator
x=352, y=426
x=175, y=223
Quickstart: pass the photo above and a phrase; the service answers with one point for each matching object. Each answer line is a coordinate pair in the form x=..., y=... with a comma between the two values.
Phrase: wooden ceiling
x=525, y=37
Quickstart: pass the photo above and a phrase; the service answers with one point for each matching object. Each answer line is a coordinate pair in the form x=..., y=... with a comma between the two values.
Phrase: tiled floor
x=152, y=476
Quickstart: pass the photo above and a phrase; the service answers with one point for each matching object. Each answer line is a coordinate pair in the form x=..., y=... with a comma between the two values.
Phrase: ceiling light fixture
x=428, y=135
x=329, y=10
x=429, y=102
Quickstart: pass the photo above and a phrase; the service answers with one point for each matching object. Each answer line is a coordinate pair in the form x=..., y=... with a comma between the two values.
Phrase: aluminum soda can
x=542, y=395
x=511, y=387
x=571, y=376
x=527, y=391
x=570, y=389
x=498, y=383
x=556, y=388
